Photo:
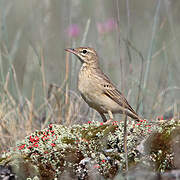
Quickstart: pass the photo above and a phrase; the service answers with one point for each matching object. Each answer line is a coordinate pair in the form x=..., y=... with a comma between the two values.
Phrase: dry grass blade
x=119, y=43
x=31, y=109
x=66, y=79
x=5, y=88
x=141, y=73
x=43, y=73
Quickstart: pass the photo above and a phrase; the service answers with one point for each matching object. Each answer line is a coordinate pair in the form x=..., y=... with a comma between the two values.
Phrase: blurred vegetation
x=137, y=41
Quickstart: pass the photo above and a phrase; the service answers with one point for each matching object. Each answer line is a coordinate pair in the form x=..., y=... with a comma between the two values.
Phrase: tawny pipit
x=96, y=88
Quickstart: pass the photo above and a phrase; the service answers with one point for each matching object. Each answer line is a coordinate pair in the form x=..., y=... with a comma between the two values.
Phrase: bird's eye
x=84, y=51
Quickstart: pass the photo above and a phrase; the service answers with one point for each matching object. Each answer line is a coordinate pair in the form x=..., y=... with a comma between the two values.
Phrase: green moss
x=58, y=149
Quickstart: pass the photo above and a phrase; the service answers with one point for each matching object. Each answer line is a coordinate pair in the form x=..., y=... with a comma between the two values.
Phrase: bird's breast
x=92, y=92
x=84, y=82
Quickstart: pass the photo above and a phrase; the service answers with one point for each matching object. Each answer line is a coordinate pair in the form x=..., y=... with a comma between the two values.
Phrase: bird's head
x=85, y=54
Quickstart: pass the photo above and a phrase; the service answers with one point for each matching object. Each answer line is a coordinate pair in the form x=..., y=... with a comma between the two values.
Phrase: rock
x=93, y=149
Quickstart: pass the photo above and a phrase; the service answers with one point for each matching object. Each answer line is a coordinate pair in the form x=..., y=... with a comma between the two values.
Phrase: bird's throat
x=86, y=66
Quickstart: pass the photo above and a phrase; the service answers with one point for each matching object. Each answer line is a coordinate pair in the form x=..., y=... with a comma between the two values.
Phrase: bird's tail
x=134, y=116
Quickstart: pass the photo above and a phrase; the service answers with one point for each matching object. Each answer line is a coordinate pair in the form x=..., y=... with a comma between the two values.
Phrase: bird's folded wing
x=110, y=90
x=118, y=97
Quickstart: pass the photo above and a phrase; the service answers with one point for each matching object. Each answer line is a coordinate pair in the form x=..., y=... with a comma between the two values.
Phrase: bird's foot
x=109, y=121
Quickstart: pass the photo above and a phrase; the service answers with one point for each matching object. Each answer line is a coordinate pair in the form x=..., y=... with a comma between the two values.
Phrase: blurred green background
x=137, y=41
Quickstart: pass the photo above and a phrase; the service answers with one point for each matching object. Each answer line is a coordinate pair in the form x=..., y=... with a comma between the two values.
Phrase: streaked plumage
x=96, y=88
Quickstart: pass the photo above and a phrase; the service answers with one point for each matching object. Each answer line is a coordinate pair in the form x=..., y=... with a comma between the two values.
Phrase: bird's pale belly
x=100, y=102
x=94, y=97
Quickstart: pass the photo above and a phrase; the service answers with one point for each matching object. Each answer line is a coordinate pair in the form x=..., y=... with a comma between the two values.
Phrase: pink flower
x=107, y=26
x=101, y=28
x=110, y=25
x=73, y=31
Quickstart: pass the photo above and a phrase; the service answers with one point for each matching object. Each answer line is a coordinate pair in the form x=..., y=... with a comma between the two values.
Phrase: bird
x=96, y=88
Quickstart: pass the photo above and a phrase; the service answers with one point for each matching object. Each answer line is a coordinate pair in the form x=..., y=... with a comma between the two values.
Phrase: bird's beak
x=71, y=50
x=75, y=52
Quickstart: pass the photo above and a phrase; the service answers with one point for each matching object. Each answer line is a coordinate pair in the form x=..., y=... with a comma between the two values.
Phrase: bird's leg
x=103, y=117
x=110, y=117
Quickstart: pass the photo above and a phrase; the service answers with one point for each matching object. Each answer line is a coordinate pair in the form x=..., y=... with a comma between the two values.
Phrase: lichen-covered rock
x=89, y=149
x=163, y=146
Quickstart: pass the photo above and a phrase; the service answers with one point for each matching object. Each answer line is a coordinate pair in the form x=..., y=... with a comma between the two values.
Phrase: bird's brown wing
x=115, y=95
x=111, y=91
